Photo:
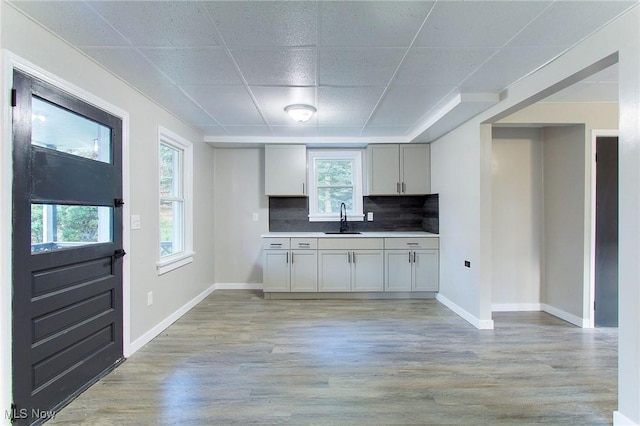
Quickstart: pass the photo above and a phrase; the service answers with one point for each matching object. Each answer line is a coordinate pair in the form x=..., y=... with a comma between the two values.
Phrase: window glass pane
x=329, y=199
x=55, y=227
x=61, y=130
x=171, y=227
x=169, y=172
x=334, y=172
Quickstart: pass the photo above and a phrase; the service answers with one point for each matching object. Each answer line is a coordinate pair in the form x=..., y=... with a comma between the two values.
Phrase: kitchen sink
x=345, y=232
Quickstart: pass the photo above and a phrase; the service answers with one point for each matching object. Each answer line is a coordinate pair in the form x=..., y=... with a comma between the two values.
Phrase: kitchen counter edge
x=389, y=234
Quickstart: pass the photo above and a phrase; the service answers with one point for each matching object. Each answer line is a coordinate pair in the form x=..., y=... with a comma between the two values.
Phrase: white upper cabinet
x=285, y=169
x=399, y=169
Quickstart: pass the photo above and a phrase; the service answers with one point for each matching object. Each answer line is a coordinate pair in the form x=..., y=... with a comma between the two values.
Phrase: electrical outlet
x=255, y=217
x=150, y=298
x=369, y=216
x=467, y=264
x=135, y=221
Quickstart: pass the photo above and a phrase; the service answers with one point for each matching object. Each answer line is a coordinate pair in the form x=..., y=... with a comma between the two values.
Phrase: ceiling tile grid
x=373, y=69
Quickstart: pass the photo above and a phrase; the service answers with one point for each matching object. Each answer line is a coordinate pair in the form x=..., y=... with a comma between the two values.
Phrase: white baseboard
x=516, y=307
x=238, y=286
x=155, y=331
x=476, y=322
x=580, y=322
x=620, y=419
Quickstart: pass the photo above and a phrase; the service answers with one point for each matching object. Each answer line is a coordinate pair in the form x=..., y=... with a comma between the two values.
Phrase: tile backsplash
x=397, y=213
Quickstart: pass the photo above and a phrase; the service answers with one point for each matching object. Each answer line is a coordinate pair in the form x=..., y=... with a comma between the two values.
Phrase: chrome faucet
x=343, y=218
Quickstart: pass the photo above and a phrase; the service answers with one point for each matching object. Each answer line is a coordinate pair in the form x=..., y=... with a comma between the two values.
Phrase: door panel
x=425, y=270
x=606, y=252
x=67, y=281
x=368, y=270
x=398, y=270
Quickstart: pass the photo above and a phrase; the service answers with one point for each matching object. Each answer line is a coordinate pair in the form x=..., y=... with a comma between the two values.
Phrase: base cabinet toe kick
x=343, y=267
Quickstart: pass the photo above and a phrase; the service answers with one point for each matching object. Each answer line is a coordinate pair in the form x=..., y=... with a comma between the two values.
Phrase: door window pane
x=61, y=130
x=55, y=226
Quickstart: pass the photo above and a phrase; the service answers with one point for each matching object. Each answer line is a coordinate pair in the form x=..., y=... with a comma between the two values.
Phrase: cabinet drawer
x=304, y=243
x=351, y=243
x=410, y=243
x=275, y=243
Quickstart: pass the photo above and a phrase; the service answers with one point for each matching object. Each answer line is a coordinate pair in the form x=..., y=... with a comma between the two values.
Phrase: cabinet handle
x=292, y=258
x=303, y=188
x=414, y=257
x=303, y=244
x=413, y=244
x=287, y=257
x=354, y=257
x=349, y=256
x=409, y=257
x=275, y=245
x=398, y=187
x=404, y=187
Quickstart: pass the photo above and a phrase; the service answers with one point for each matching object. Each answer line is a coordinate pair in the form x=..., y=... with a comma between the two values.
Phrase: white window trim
x=169, y=263
x=355, y=154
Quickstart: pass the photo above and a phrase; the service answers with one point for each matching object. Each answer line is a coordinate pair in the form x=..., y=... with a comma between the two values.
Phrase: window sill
x=350, y=218
x=170, y=263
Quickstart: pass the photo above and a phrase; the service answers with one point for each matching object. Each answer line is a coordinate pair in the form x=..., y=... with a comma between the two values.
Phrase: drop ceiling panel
x=508, y=66
x=130, y=65
x=441, y=66
x=248, y=130
x=348, y=98
x=336, y=132
x=358, y=66
x=199, y=65
x=296, y=131
x=266, y=23
x=277, y=66
x=75, y=22
x=404, y=105
x=371, y=23
x=181, y=105
x=214, y=131
x=477, y=23
x=229, y=105
x=159, y=23
x=566, y=22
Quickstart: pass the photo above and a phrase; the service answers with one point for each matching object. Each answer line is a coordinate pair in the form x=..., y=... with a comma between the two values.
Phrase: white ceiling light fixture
x=300, y=112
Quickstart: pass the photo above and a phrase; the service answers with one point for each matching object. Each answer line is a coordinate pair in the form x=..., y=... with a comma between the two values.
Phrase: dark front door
x=606, y=257
x=66, y=247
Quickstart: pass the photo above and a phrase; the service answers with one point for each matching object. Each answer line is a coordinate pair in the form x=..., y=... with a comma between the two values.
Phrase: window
x=175, y=189
x=335, y=177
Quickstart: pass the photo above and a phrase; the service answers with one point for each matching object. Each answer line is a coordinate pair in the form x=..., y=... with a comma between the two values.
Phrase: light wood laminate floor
x=236, y=358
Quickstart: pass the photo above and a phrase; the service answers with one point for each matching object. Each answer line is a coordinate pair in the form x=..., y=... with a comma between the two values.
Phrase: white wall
x=517, y=219
x=564, y=205
x=32, y=43
x=239, y=193
x=461, y=174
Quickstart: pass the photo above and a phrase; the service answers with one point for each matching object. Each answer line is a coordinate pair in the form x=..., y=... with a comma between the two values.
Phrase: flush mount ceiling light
x=300, y=112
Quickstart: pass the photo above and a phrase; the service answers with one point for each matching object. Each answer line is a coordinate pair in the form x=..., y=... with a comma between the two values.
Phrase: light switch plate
x=150, y=298
x=135, y=221
x=369, y=216
x=255, y=217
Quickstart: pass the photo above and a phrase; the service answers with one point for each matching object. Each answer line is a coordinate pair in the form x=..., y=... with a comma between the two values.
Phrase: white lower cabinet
x=415, y=270
x=411, y=264
x=350, y=264
x=299, y=265
x=304, y=270
x=350, y=270
x=286, y=270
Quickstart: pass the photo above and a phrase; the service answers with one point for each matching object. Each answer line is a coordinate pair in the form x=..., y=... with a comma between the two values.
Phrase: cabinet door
x=304, y=270
x=384, y=169
x=416, y=169
x=275, y=275
x=397, y=270
x=368, y=270
x=425, y=271
x=334, y=270
x=285, y=170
